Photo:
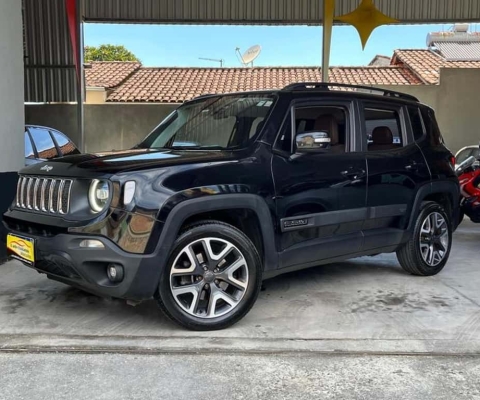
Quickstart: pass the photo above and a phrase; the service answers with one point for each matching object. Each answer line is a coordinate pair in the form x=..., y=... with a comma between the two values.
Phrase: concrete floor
x=365, y=299
x=364, y=315
x=215, y=377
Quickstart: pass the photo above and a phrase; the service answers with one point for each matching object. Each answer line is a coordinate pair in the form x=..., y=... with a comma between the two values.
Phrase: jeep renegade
x=233, y=189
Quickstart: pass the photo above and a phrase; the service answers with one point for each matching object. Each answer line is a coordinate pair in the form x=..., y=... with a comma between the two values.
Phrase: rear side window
x=43, y=141
x=66, y=146
x=29, y=153
x=383, y=129
x=431, y=127
x=417, y=123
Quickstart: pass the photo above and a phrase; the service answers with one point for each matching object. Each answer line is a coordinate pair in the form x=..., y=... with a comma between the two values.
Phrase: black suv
x=233, y=189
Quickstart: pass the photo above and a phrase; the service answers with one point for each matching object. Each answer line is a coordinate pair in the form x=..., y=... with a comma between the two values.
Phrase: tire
x=212, y=278
x=461, y=217
x=417, y=256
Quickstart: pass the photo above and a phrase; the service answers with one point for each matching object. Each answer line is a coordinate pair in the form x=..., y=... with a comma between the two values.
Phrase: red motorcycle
x=468, y=173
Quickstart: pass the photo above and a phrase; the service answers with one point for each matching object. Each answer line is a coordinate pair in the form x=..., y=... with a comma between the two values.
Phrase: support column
x=328, y=14
x=81, y=78
x=12, y=109
x=75, y=25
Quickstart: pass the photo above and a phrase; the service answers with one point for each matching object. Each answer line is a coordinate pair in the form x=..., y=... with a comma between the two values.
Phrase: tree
x=109, y=52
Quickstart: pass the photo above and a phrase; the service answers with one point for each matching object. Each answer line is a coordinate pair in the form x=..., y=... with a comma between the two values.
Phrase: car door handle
x=354, y=174
x=413, y=166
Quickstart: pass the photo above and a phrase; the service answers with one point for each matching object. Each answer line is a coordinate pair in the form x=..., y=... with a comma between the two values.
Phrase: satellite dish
x=251, y=54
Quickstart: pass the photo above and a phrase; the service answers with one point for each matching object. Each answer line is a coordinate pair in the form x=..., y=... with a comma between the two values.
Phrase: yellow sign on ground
x=23, y=248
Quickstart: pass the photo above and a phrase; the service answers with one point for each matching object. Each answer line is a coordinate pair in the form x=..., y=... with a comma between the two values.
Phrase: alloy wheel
x=209, y=277
x=434, y=239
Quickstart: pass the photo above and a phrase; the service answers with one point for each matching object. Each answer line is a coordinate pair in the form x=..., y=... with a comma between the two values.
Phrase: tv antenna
x=218, y=60
x=250, y=55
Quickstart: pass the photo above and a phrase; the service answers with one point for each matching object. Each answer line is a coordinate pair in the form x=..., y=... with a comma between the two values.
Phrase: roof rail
x=327, y=85
x=202, y=96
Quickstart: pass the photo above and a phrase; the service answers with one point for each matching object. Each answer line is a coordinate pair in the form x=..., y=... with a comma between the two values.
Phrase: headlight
x=98, y=195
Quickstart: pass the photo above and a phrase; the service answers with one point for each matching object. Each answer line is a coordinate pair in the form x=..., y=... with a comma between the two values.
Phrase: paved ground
x=368, y=299
x=212, y=377
x=367, y=312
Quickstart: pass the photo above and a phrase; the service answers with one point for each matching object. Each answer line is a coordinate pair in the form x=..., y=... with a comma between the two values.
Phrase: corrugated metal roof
x=271, y=12
x=49, y=66
x=459, y=51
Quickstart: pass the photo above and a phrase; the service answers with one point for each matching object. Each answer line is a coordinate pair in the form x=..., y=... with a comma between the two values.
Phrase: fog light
x=115, y=273
x=92, y=244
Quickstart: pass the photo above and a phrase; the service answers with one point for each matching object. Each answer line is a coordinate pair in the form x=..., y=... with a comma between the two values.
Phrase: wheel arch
x=446, y=193
x=209, y=207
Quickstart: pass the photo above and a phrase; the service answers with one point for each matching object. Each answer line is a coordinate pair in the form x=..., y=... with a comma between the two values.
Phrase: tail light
x=453, y=161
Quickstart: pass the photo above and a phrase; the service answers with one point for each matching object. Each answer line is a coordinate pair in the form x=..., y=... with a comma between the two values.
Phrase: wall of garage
x=456, y=102
x=11, y=104
x=121, y=126
x=11, y=85
x=107, y=126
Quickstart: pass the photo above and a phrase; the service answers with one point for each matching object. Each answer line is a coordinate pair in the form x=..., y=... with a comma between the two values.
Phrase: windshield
x=222, y=122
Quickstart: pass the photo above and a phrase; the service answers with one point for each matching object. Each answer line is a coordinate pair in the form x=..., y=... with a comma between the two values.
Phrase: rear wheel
x=461, y=216
x=212, y=279
x=427, y=251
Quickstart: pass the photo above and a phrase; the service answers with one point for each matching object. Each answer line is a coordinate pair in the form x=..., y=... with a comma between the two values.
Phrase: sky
x=183, y=45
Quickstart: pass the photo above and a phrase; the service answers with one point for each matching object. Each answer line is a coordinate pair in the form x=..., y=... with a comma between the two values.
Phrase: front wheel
x=427, y=251
x=212, y=278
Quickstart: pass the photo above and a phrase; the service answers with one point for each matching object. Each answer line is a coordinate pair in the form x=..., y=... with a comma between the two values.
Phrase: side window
x=29, y=153
x=416, y=122
x=66, y=146
x=43, y=141
x=321, y=126
x=431, y=126
x=383, y=129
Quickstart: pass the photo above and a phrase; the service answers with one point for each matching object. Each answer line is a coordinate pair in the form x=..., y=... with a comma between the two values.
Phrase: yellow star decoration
x=366, y=18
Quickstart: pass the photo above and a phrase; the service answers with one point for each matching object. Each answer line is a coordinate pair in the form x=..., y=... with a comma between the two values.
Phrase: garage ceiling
x=271, y=12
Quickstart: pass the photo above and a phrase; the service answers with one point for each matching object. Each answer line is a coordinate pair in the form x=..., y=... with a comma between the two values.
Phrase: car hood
x=85, y=165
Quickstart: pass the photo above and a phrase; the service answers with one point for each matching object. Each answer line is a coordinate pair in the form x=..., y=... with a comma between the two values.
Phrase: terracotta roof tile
x=176, y=85
x=426, y=64
x=109, y=74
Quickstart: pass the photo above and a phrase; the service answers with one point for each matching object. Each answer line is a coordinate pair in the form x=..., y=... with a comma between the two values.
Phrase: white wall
x=456, y=101
x=12, y=118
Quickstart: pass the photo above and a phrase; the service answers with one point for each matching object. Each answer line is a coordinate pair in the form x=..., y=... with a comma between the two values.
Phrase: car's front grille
x=47, y=195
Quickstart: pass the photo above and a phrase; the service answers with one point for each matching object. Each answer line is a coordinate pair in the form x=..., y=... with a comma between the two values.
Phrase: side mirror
x=312, y=142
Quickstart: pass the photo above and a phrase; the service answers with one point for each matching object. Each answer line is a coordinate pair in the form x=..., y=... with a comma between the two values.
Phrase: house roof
x=176, y=85
x=427, y=63
x=109, y=74
x=380, y=60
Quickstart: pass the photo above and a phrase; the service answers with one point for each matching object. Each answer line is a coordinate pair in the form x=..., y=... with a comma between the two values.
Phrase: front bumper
x=61, y=258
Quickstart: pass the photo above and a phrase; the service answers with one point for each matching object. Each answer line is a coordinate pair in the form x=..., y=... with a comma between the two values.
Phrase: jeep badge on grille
x=46, y=168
